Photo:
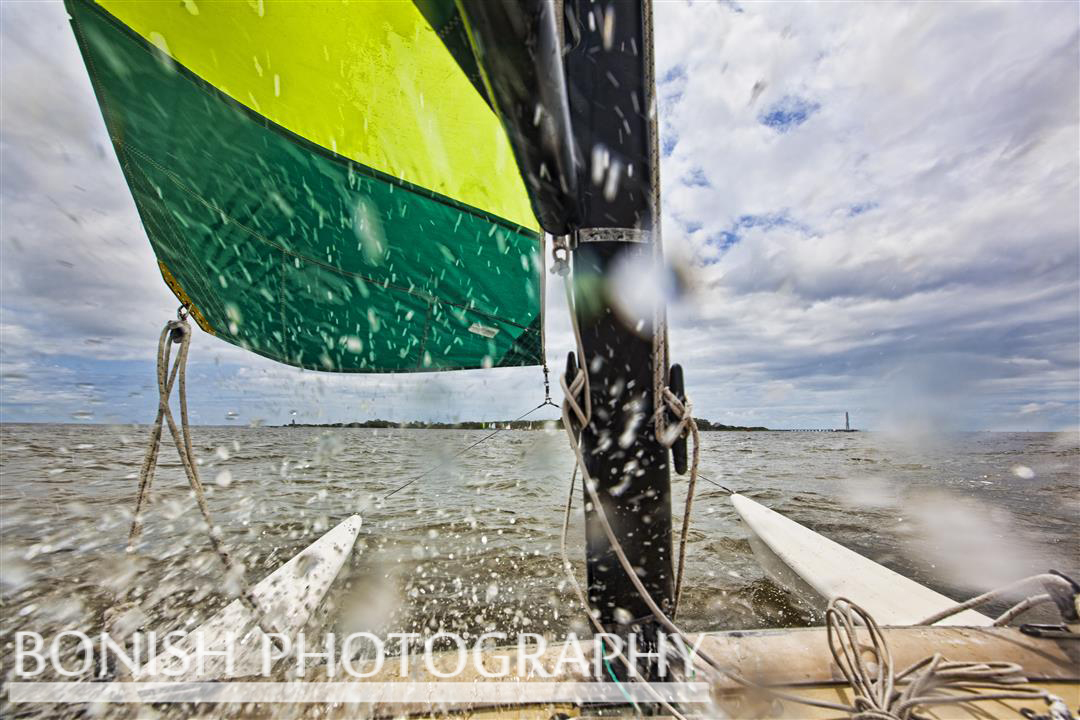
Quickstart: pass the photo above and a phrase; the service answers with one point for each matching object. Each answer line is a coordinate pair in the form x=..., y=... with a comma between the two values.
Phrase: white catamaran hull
x=804, y=561
x=289, y=596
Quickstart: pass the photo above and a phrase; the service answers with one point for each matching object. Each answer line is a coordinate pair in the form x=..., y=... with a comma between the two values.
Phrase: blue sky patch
x=696, y=178
x=678, y=72
x=732, y=236
x=671, y=88
x=860, y=208
x=766, y=221
x=668, y=141
x=789, y=112
x=725, y=239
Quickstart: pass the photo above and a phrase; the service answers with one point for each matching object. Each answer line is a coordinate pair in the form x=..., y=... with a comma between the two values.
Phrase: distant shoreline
x=703, y=425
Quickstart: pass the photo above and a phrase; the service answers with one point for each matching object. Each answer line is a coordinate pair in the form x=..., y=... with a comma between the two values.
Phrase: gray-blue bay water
x=474, y=545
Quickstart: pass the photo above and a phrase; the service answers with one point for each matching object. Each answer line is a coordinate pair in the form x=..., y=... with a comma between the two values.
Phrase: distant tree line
x=705, y=425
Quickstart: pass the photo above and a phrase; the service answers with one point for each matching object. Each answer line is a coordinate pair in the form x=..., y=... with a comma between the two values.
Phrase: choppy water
x=475, y=544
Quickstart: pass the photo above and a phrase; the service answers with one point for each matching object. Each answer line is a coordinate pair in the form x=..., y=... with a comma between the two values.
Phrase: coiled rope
x=881, y=693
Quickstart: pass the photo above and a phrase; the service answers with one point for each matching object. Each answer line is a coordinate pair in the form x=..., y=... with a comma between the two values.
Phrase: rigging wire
x=547, y=378
x=543, y=318
x=459, y=453
x=663, y=399
x=723, y=487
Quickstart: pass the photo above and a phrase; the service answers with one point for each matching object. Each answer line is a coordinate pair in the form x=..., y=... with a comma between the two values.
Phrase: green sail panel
x=285, y=248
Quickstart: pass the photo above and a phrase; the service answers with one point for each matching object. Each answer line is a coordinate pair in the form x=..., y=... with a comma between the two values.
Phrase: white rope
x=570, y=404
x=582, y=412
x=575, y=395
x=686, y=419
x=179, y=332
x=1022, y=607
x=1011, y=589
x=591, y=612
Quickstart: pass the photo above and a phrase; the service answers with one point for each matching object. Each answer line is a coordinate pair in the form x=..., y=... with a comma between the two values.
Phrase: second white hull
x=805, y=561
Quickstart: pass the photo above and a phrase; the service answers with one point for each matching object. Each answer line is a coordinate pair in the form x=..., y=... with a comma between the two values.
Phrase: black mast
x=609, y=81
x=578, y=113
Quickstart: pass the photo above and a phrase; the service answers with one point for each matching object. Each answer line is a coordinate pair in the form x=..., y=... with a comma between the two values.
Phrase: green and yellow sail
x=321, y=183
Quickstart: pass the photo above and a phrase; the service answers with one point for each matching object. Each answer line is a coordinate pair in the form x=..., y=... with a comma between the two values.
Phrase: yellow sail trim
x=368, y=80
x=182, y=296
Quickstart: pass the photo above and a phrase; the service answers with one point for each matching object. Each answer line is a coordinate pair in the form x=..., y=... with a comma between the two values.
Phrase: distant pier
x=817, y=430
x=846, y=429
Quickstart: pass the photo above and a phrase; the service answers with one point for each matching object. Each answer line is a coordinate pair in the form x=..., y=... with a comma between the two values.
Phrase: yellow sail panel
x=368, y=80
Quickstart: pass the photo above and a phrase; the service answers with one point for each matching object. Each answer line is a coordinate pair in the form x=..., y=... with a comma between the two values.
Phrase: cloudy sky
x=877, y=204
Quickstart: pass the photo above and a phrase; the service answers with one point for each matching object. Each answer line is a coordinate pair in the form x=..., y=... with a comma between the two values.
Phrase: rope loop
x=178, y=332
x=178, y=329
x=573, y=398
x=666, y=434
